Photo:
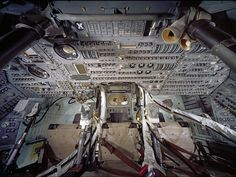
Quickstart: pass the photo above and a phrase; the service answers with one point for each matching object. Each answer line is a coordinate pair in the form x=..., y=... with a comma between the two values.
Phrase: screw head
x=79, y=25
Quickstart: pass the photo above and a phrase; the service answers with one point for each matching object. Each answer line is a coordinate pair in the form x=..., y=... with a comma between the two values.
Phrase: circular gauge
x=66, y=51
x=141, y=65
x=38, y=72
x=139, y=72
x=150, y=65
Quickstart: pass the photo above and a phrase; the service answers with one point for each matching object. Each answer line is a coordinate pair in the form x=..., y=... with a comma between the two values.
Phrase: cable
x=219, y=133
x=36, y=122
x=88, y=140
x=167, y=109
x=70, y=100
x=168, y=157
x=168, y=149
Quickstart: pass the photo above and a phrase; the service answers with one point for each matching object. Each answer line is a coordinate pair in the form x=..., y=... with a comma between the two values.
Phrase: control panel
x=102, y=45
x=9, y=96
x=161, y=68
x=120, y=101
x=9, y=126
x=224, y=104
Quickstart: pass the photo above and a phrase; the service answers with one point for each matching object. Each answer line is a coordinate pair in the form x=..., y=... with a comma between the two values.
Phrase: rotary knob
x=4, y=124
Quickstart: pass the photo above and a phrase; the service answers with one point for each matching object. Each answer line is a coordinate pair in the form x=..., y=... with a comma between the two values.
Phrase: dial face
x=118, y=99
x=66, y=51
x=38, y=72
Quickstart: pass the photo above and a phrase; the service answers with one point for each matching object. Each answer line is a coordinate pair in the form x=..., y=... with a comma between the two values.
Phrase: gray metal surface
x=161, y=68
x=110, y=7
x=114, y=42
x=224, y=105
x=9, y=96
x=8, y=130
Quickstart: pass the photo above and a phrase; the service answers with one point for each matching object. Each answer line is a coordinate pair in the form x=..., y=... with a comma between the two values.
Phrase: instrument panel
x=168, y=71
x=110, y=47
